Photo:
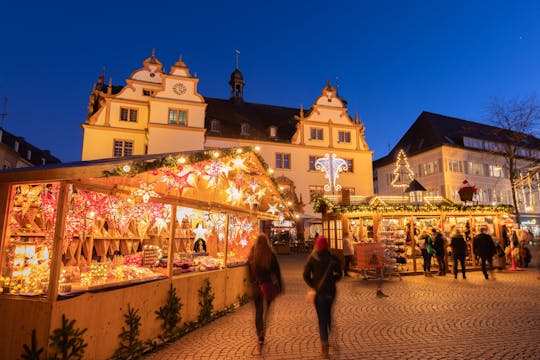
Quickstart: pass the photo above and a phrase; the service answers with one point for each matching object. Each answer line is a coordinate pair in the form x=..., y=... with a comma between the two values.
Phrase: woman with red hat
x=321, y=273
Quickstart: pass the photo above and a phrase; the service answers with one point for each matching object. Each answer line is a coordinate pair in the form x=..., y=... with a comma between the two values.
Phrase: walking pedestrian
x=484, y=247
x=321, y=273
x=348, y=252
x=265, y=276
x=439, y=244
x=459, y=251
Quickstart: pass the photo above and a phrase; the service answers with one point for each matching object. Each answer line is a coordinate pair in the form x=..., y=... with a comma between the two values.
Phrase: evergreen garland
x=206, y=299
x=32, y=352
x=67, y=342
x=170, y=313
x=131, y=347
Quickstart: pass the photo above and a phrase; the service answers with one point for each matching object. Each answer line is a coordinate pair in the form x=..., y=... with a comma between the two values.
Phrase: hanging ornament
x=251, y=200
x=146, y=191
x=332, y=166
x=234, y=194
x=238, y=164
x=253, y=185
x=272, y=208
x=200, y=232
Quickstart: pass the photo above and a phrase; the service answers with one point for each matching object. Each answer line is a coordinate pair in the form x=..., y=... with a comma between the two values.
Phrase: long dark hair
x=262, y=252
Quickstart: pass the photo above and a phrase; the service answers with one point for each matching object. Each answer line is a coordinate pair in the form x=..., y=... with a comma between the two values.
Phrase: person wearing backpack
x=321, y=273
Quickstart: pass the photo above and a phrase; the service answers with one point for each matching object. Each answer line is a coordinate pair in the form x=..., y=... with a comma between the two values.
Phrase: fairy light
x=270, y=171
x=215, y=154
x=181, y=160
x=398, y=171
x=257, y=148
x=126, y=168
x=239, y=150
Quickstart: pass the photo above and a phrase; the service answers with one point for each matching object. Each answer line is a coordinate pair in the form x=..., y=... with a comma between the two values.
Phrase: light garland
x=400, y=163
x=332, y=166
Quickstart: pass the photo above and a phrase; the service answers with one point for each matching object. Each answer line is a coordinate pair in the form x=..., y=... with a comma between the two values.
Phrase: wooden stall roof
x=230, y=179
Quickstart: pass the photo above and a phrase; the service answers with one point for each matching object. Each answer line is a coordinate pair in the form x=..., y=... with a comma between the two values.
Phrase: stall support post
x=5, y=195
x=226, y=255
x=58, y=240
x=413, y=242
x=170, y=250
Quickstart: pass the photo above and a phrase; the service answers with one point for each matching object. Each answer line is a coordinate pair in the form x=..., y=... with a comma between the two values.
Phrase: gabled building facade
x=158, y=111
x=15, y=152
x=443, y=152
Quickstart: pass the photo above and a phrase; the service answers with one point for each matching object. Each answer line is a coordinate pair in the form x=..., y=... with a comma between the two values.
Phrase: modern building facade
x=15, y=152
x=159, y=111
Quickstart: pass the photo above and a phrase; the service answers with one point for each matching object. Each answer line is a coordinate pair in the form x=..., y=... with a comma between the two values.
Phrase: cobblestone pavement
x=423, y=318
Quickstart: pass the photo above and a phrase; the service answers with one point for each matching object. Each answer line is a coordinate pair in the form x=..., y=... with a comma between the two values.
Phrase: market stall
x=396, y=225
x=87, y=239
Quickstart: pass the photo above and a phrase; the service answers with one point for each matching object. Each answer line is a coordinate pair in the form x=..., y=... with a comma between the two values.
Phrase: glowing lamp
x=126, y=168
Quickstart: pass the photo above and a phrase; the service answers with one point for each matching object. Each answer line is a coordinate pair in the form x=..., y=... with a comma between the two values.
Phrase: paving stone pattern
x=423, y=318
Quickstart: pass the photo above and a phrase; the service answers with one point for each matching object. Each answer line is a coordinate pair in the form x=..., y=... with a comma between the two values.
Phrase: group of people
x=321, y=272
x=433, y=243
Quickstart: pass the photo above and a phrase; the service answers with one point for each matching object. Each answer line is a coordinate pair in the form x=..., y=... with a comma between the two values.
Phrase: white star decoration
x=146, y=191
x=234, y=194
x=200, y=232
x=251, y=200
x=272, y=208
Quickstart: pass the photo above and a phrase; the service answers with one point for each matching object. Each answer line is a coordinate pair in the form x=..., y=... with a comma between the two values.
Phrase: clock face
x=179, y=88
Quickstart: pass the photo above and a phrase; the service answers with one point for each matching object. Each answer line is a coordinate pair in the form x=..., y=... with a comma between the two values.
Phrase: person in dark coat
x=484, y=247
x=321, y=273
x=439, y=244
x=459, y=251
x=264, y=268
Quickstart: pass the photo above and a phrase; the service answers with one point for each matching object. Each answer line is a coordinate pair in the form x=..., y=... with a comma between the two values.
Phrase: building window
x=244, y=129
x=273, y=131
x=147, y=92
x=215, y=125
x=476, y=169
x=283, y=161
x=350, y=189
x=316, y=134
x=16, y=146
x=429, y=168
x=344, y=136
x=350, y=165
x=123, y=148
x=455, y=166
x=43, y=161
x=127, y=114
x=495, y=171
x=312, y=160
x=177, y=117
x=29, y=154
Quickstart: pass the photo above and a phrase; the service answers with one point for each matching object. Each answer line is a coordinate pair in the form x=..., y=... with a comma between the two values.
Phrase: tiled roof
x=8, y=139
x=260, y=117
x=432, y=130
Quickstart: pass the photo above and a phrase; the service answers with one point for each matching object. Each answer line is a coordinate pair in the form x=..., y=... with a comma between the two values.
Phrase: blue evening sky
x=391, y=59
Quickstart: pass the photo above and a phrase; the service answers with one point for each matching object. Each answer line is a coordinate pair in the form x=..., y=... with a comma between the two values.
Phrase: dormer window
x=147, y=92
x=273, y=131
x=16, y=146
x=29, y=154
x=215, y=125
x=43, y=161
x=244, y=129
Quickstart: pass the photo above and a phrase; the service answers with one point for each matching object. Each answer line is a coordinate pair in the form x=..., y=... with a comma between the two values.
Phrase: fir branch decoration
x=206, y=299
x=32, y=352
x=170, y=313
x=67, y=341
x=131, y=347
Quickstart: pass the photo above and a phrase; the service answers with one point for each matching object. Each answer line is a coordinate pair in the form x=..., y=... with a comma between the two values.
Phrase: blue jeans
x=323, y=306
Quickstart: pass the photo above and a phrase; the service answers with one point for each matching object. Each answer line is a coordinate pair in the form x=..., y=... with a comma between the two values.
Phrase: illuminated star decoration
x=253, y=185
x=332, y=166
x=272, y=208
x=234, y=194
x=200, y=232
x=238, y=164
x=146, y=191
x=251, y=200
x=213, y=171
x=169, y=178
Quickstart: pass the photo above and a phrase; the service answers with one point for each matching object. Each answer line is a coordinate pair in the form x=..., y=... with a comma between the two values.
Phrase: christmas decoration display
x=467, y=191
x=332, y=166
x=402, y=175
x=117, y=227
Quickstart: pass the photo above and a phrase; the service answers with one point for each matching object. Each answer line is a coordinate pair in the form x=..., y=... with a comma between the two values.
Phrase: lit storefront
x=85, y=239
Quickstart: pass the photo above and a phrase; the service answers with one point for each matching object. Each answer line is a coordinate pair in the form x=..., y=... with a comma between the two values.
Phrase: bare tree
x=517, y=122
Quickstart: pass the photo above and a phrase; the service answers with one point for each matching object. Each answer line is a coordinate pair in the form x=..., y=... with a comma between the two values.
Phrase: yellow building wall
x=173, y=138
x=98, y=141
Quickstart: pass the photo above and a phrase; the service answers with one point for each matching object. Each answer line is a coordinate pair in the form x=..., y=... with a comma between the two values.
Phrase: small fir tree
x=67, y=342
x=131, y=347
x=170, y=313
x=32, y=352
x=206, y=299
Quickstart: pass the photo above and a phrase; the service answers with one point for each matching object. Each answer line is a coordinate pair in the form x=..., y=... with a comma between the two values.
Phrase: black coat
x=315, y=270
x=439, y=244
x=459, y=246
x=484, y=246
